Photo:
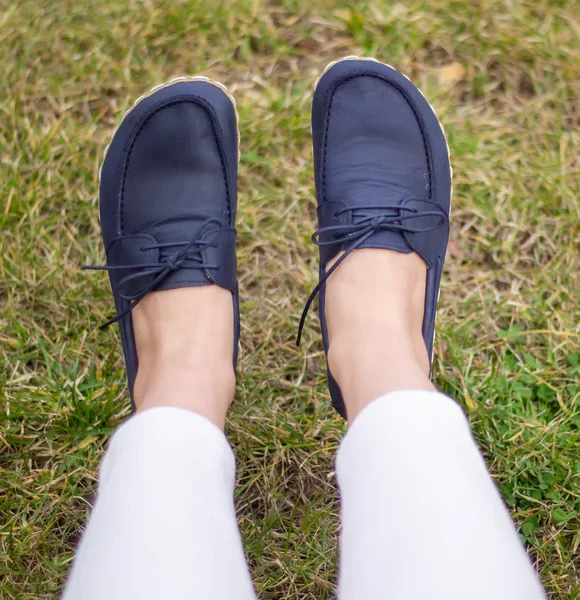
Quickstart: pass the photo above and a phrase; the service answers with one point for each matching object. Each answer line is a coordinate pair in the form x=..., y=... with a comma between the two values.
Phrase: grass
x=503, y=77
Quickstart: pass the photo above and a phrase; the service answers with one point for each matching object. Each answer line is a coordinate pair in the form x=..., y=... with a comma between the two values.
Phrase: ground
x=503, y=77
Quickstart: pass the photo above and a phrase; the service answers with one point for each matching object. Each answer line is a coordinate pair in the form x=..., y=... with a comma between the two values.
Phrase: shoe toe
x=174, y=154
x=374, y=145
x=173, y=167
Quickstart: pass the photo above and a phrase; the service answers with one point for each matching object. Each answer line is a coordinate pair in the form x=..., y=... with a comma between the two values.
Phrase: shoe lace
x=187, y=256
x=356, y=234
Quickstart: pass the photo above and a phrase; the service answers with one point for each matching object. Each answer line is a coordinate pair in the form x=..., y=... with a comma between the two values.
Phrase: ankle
x=206, y=388
x=375, y=303
x=377, y=363
x=185, y=344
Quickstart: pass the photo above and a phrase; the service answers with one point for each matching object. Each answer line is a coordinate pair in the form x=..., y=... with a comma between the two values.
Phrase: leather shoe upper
x=383, y=178
x=373, y=160
x=168, y=199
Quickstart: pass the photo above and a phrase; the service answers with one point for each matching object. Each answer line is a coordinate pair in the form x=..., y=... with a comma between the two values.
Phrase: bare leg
x=185, y=344
x=374, y=309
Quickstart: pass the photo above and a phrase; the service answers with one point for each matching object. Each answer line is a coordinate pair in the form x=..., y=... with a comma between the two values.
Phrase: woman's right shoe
x=383, y=178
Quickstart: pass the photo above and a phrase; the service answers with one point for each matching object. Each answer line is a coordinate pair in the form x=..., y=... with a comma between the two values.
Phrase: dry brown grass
x=508, y=339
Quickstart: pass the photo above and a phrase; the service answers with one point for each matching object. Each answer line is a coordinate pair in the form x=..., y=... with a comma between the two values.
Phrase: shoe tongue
x=375, y=196
x=179, y=230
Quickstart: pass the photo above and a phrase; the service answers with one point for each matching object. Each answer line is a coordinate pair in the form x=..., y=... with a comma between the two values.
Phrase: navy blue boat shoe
x=383, y=178
x=168, y=198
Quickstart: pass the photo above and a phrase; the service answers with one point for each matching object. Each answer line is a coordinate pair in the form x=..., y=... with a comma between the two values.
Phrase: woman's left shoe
x=168, y=200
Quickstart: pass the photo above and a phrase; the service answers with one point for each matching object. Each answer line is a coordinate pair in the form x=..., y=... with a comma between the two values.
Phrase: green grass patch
x=508, y=340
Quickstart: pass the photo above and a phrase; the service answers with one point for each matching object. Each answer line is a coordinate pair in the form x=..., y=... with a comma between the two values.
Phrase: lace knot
x=175, y=261
x=377, y=222
x=352, y=236
x=189, y=257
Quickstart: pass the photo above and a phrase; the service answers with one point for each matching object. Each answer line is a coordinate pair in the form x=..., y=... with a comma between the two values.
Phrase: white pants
x=421, y=518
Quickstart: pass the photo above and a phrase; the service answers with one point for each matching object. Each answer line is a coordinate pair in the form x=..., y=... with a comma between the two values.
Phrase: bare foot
x=185, y=342
x=374, y=310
